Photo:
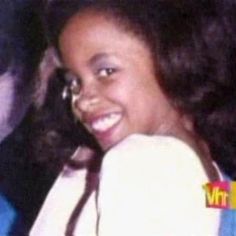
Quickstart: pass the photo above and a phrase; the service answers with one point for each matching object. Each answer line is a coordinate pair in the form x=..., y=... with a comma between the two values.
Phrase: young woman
x=144, y=81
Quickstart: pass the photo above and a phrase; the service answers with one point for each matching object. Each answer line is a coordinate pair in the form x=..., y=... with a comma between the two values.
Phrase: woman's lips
x=103, y=123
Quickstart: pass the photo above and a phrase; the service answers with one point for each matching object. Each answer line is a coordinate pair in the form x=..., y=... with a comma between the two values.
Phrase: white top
x=149, y=186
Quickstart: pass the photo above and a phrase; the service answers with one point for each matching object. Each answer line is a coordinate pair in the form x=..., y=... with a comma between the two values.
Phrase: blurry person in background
x=21, y=47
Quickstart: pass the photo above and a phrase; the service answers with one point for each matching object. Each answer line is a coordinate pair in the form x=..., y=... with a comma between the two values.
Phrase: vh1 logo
x=220, y=194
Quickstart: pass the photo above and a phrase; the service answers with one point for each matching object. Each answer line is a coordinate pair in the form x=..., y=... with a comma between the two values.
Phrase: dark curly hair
x=199, y=74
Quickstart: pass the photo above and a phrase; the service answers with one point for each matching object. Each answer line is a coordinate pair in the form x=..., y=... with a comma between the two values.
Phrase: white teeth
x=106, y=122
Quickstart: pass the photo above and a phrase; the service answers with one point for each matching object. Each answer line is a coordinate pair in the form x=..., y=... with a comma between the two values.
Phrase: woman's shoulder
x=151, y=144
x=155, y=152
x=157, y=178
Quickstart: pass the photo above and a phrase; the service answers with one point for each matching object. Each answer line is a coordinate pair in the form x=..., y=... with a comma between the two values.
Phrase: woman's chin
x=110, y=142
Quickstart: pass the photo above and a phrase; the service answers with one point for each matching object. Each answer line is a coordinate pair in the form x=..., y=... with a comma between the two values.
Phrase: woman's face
x=119, y=93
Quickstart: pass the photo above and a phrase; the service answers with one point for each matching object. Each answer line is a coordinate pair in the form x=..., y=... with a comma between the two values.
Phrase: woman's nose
x=87, y=100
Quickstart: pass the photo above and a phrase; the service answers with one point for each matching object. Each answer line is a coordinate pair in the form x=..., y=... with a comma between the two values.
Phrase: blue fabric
x=228, y=219
x=228, y=223
x=7, y=216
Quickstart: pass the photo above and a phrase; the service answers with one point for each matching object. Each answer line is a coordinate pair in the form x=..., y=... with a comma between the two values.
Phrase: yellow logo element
x=220, y=194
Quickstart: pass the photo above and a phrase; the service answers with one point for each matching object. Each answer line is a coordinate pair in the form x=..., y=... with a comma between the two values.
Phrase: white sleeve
x=153, y=186
x=59, y=204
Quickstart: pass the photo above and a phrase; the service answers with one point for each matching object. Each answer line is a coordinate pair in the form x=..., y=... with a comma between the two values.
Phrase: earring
x=65, y=93
x=75, y=87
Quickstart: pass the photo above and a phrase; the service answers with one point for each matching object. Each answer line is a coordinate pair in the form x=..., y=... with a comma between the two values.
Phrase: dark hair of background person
x=19, y=25
x=194, y=50
x=21, y=40
x=21, y=46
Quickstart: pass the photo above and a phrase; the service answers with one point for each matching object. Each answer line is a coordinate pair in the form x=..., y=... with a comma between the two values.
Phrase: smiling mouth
x=105, y=122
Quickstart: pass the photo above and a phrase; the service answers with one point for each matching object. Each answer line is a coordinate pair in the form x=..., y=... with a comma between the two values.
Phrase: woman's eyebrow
x=97, y=58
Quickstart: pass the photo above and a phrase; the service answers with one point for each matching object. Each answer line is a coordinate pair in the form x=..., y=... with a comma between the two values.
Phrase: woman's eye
x=105, y=72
